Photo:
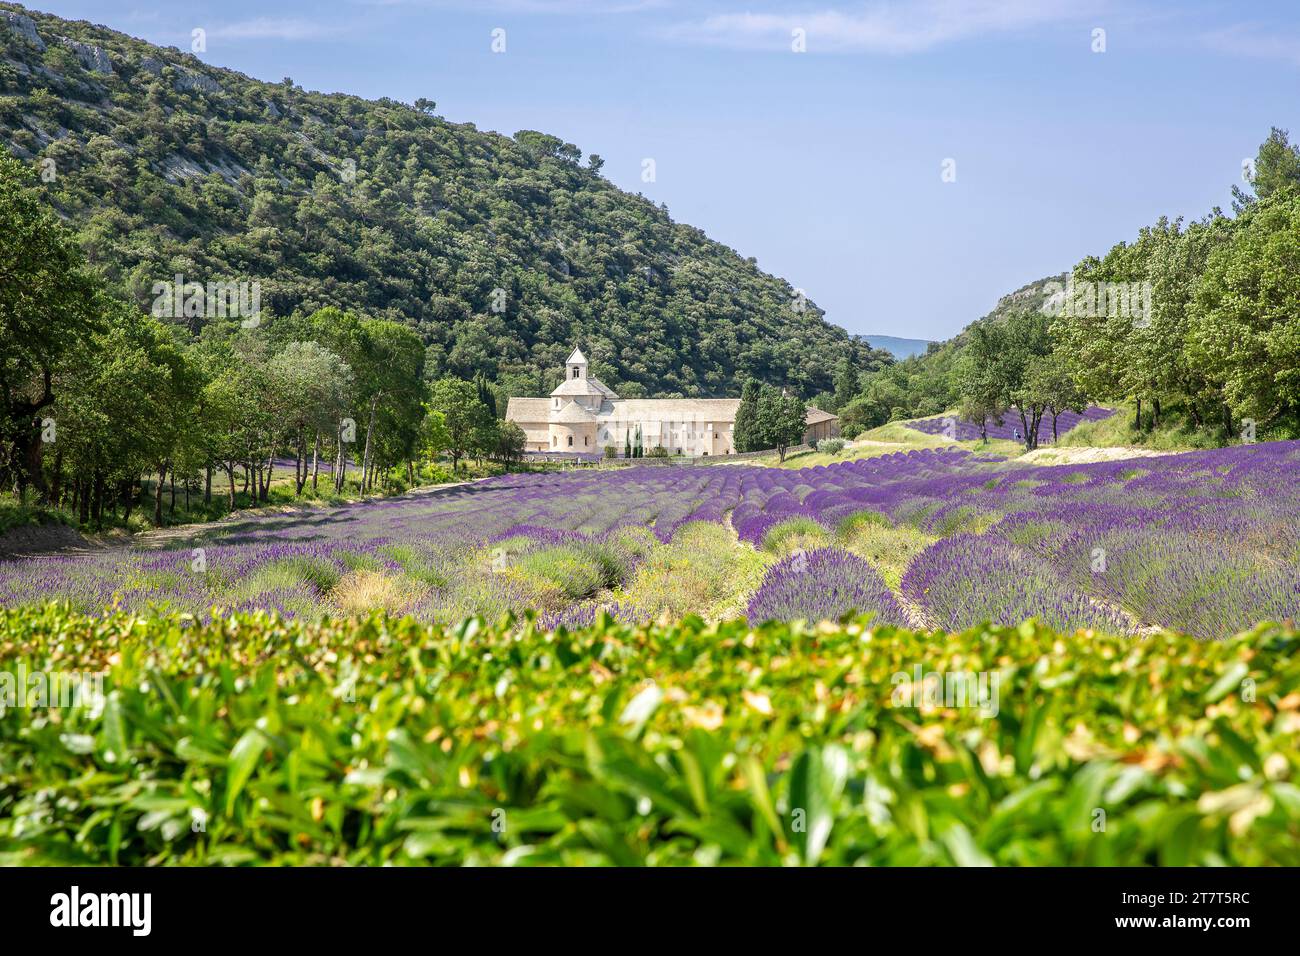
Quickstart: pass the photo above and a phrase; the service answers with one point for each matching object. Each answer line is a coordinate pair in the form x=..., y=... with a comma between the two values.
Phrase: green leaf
x=243, y=758
x=816, y=780
x=112, y=737
x=641, y=707
x=1230, y=680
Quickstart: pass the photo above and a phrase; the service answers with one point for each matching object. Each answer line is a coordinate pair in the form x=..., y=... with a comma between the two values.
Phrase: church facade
x=583, y=415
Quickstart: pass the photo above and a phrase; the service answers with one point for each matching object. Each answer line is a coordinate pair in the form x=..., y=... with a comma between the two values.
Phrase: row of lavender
x=1010, y=427
x=1206, y=542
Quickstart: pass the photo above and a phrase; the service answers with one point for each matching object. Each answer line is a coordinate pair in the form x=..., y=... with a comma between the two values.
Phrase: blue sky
x=826, y=164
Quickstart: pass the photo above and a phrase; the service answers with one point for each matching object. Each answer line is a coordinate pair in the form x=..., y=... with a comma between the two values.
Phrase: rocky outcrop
x=25, y=27
x=188, y=81
x=92, y=57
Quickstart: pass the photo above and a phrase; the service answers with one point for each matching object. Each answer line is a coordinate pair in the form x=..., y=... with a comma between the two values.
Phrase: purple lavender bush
x=824, y=584
x=1207, y=542
x=967, y=580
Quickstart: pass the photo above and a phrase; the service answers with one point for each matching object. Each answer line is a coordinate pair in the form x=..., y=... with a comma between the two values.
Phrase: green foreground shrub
x=252, y=740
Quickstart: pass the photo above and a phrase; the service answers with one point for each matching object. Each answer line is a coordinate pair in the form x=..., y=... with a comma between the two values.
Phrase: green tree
x=746, y=435
x=781, y=421
x=847, y=385
x=1276, y=174
x=462, y=413
x=315, y=387
x=511, y=442
x=1244, y=329
x=434, y=437
x=48, y=304
x=981, y=380
x=1050, y=382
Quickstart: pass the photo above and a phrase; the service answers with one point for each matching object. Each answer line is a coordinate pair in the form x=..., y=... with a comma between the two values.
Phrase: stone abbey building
x=584, y=415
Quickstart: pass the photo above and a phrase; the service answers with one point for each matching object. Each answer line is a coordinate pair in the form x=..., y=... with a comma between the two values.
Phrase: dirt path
x=917, y=617
x=31, y=541
x=1087, y=454
x=59, y=539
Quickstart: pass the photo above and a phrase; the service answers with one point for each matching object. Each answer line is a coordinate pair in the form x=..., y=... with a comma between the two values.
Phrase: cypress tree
x=746, y=430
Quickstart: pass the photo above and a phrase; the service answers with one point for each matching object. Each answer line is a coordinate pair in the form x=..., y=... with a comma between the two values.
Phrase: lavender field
x=1204, y=542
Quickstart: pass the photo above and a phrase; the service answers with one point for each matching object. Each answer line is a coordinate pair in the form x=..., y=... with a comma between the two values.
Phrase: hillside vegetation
x=1193, y=326
x=169, y=166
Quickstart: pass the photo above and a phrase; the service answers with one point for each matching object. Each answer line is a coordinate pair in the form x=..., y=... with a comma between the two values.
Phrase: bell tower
x=576, y=366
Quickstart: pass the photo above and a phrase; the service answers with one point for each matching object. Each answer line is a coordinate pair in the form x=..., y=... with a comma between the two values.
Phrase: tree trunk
x=207, y=485
x=300, y=464
x=1155, y=412
x=1138, y=424
x=33, y=460
x=128, y=499
x=366, y=475
x=97, y=509
x=172, y=508
x=56, y=482
x=157, y=495
x=230, y=486
x=341, y=472
x=315, y=461
x=265, y=494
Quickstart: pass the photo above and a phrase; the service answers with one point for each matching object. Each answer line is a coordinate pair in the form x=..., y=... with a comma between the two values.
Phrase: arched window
x=570, y=441
x=584, y=441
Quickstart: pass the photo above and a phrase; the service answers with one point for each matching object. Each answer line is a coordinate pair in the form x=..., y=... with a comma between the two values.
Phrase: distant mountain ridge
x=898, y=347
x=501, y=251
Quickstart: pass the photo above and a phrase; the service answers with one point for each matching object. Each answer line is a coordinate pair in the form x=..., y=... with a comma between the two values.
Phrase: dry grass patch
x=704, y=570
x=887, y=547
x=361, y=592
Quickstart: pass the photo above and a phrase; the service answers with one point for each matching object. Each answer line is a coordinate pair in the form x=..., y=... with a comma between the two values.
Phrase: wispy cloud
x=274, y=28
x=876, y=27
x=1256, y=40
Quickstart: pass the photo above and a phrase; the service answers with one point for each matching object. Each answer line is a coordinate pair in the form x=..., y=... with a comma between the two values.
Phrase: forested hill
x=168, y=166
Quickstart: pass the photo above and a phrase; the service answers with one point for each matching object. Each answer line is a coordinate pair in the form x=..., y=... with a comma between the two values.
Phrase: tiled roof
x=673, y=409
x=573, y=414
x=523, y=410
x=583, y=386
